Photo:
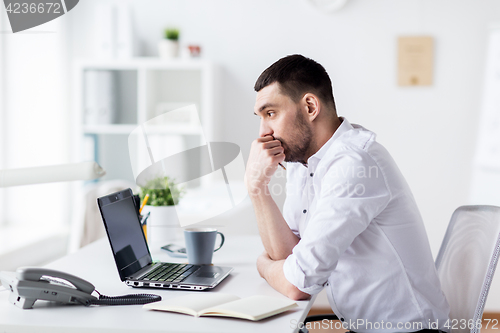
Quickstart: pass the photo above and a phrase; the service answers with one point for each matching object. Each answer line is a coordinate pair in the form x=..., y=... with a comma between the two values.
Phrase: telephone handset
x=29, y=284
x=37, y=274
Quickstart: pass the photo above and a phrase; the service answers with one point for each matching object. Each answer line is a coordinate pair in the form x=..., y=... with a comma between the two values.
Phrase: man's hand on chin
x=265, y=154
x=272, y=272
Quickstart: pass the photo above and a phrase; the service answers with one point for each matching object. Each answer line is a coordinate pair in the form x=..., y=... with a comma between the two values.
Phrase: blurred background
x=111, y=55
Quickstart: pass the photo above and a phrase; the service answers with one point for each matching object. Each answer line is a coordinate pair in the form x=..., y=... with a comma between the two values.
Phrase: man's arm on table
x=277, y=237
x=272, y=272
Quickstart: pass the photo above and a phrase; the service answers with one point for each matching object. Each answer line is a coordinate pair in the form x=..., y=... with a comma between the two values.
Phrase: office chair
x=466, y=262
x=465, y=265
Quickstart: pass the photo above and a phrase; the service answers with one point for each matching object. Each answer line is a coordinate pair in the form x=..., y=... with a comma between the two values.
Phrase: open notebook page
x=192, y=303
x=254, y=307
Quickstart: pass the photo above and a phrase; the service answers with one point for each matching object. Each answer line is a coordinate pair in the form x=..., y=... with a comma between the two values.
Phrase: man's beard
x=299, y=141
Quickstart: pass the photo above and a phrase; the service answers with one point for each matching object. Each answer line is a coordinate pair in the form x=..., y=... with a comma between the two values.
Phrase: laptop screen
x=124, y=232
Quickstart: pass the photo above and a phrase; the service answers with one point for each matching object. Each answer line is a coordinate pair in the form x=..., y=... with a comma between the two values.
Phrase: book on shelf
x=224, y=305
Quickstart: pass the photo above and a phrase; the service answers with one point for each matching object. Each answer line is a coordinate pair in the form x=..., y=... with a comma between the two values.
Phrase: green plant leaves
x=162, y=192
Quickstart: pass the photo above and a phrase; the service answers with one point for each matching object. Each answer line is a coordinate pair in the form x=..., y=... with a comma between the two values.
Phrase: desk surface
x=95, y=263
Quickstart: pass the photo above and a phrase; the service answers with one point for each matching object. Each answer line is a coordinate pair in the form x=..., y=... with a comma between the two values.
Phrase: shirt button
x=311, y=174
x=341, y=319
x=304, y=211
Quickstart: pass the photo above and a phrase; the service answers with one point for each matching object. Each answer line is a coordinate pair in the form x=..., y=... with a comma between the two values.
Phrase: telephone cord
x=131, y=299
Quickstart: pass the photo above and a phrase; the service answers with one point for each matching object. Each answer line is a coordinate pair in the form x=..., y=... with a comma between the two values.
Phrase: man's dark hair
x=298, y=75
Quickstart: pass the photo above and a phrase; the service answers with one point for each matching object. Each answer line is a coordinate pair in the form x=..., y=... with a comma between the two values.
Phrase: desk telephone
x=29, y=284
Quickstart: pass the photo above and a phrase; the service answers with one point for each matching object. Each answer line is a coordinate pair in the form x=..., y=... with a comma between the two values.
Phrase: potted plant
x=168, y=47
x=163, y=224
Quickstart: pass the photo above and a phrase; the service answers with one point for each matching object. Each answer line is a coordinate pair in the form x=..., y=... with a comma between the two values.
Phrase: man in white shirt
x=350, y=223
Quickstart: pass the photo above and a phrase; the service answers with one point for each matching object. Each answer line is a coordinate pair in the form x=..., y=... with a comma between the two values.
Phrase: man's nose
x=265, y=130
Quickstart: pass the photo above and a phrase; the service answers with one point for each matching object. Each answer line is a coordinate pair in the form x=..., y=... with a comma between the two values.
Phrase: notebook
x=133, y=259
x=253, y=308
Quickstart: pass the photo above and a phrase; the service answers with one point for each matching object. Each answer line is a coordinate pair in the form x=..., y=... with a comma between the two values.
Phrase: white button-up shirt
x=361, y=237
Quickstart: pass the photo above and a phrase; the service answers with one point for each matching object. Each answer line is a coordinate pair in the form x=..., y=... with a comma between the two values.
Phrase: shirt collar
x=344, y=127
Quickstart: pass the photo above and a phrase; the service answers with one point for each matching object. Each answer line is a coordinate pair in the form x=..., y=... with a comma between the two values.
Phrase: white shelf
x=127, y=129
x=142, y=87
x=108, y=129
x=152, y=63
x=180, y=129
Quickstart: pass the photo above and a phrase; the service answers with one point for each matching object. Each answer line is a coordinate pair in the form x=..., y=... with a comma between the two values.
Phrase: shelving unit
x=143, y=89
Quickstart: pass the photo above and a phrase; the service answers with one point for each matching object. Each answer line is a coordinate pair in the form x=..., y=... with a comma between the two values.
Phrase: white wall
x=3, y=127
x=35, y=115
x=430, y=131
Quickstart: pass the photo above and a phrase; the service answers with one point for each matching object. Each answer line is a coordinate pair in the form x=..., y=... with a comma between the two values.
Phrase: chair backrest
x=466, y=263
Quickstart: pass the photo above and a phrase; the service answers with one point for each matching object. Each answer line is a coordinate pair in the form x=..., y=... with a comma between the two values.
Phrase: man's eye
x=270, y=113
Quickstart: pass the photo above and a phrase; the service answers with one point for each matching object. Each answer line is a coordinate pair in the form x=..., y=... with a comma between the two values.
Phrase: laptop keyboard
x=170, y=272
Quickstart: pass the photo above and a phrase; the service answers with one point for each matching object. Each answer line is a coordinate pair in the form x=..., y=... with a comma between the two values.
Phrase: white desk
x=95, y=263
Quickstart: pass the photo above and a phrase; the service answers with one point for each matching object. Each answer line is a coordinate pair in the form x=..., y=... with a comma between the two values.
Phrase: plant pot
x=168, y=49
x=162, y=226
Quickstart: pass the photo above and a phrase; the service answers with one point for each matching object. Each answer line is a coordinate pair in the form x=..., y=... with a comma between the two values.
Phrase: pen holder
x=144, y=224
x=161, y=226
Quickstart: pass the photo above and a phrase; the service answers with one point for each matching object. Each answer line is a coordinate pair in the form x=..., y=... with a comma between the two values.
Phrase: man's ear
x=312, y=106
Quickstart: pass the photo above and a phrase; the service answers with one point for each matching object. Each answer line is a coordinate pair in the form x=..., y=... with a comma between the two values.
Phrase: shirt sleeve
x=353, y=192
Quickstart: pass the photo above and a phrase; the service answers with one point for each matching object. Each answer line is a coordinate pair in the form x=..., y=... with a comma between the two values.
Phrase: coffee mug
x=200, y=243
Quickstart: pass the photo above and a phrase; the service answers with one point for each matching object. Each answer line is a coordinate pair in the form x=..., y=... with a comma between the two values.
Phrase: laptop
x=133, y=259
